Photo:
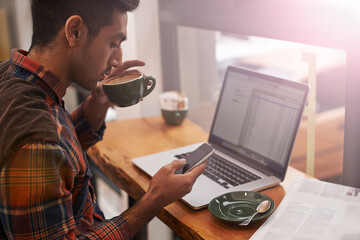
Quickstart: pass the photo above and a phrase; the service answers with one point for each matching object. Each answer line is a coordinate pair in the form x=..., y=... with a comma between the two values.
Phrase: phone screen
x=197, y=157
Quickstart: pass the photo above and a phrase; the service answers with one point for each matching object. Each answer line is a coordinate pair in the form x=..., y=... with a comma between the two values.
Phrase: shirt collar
x=19, y=63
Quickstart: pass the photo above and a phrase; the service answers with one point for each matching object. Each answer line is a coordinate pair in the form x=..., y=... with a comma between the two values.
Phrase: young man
x=44, y=180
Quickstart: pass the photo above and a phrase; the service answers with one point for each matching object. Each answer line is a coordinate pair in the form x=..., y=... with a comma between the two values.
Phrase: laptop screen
x=257, y=118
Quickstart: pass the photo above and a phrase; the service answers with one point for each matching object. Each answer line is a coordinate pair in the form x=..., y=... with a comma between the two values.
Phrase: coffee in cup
x=127, y=90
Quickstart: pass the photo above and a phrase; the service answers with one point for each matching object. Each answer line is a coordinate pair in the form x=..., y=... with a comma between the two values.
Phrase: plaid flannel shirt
x=45, y=192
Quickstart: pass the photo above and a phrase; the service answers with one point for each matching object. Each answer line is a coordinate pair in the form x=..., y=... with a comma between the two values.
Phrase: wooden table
x=128, y=139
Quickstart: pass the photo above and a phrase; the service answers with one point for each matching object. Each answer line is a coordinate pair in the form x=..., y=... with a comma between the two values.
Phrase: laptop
x=252, y=133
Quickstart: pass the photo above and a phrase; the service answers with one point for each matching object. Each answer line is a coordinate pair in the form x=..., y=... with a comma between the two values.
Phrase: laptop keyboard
x=224, y=172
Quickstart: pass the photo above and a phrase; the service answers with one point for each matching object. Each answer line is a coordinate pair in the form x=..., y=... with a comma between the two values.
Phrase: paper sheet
x=312, y=210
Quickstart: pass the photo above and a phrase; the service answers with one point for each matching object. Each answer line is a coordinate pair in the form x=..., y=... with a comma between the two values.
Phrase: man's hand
x=165, y=188
x=168, y=187
x=99, y=95
x=97, y=104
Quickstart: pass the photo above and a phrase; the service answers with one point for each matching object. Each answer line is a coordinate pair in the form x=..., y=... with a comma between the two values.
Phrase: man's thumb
x=177, y=164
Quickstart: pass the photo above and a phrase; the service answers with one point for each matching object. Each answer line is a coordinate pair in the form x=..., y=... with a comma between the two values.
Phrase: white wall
x=23, y=23
x=197, y=64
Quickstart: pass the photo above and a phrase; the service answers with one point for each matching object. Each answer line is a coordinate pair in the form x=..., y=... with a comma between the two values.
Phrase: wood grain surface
x=128, y=139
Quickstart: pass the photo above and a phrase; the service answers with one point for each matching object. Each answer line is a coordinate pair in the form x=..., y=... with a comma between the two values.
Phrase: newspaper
x=312, y=210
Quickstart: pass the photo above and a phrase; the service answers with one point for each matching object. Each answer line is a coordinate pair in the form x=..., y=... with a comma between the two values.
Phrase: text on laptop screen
x=257, y=117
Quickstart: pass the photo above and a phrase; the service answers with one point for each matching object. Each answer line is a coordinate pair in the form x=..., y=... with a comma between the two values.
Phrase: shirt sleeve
x=37, y=192
x=87, y=137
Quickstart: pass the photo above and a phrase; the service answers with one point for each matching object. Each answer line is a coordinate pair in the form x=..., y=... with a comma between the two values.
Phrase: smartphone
x=196, y=158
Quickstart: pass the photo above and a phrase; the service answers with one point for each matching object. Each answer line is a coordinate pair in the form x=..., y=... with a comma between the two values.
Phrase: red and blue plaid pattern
x=45, y=192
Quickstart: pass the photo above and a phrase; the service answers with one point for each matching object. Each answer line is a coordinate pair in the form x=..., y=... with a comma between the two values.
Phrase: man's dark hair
x=49, y=16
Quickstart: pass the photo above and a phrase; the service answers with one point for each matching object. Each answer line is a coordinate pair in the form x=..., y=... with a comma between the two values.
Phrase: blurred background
x=188, y=45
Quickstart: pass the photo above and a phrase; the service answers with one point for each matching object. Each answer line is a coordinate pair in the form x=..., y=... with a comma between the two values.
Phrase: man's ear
x=74, y=30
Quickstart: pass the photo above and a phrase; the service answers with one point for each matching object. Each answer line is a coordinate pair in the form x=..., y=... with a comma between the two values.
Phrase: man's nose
x=115, y=58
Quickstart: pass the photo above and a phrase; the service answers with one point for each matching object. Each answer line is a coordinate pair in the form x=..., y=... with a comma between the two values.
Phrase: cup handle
x=146, y=89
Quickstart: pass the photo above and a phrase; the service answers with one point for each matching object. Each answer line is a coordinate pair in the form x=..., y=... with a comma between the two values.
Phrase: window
x=199, y=42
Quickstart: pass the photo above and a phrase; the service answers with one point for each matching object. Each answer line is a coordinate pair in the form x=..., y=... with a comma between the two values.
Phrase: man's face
x=95, y=58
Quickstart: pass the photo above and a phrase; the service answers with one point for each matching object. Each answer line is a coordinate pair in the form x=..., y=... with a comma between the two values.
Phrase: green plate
x=236, y=207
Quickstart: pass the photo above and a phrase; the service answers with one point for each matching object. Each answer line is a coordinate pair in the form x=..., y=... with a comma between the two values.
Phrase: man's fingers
x=129, y=64
x=124, y=68
x=177, y=164
x=197, y=171
x=121, y=73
